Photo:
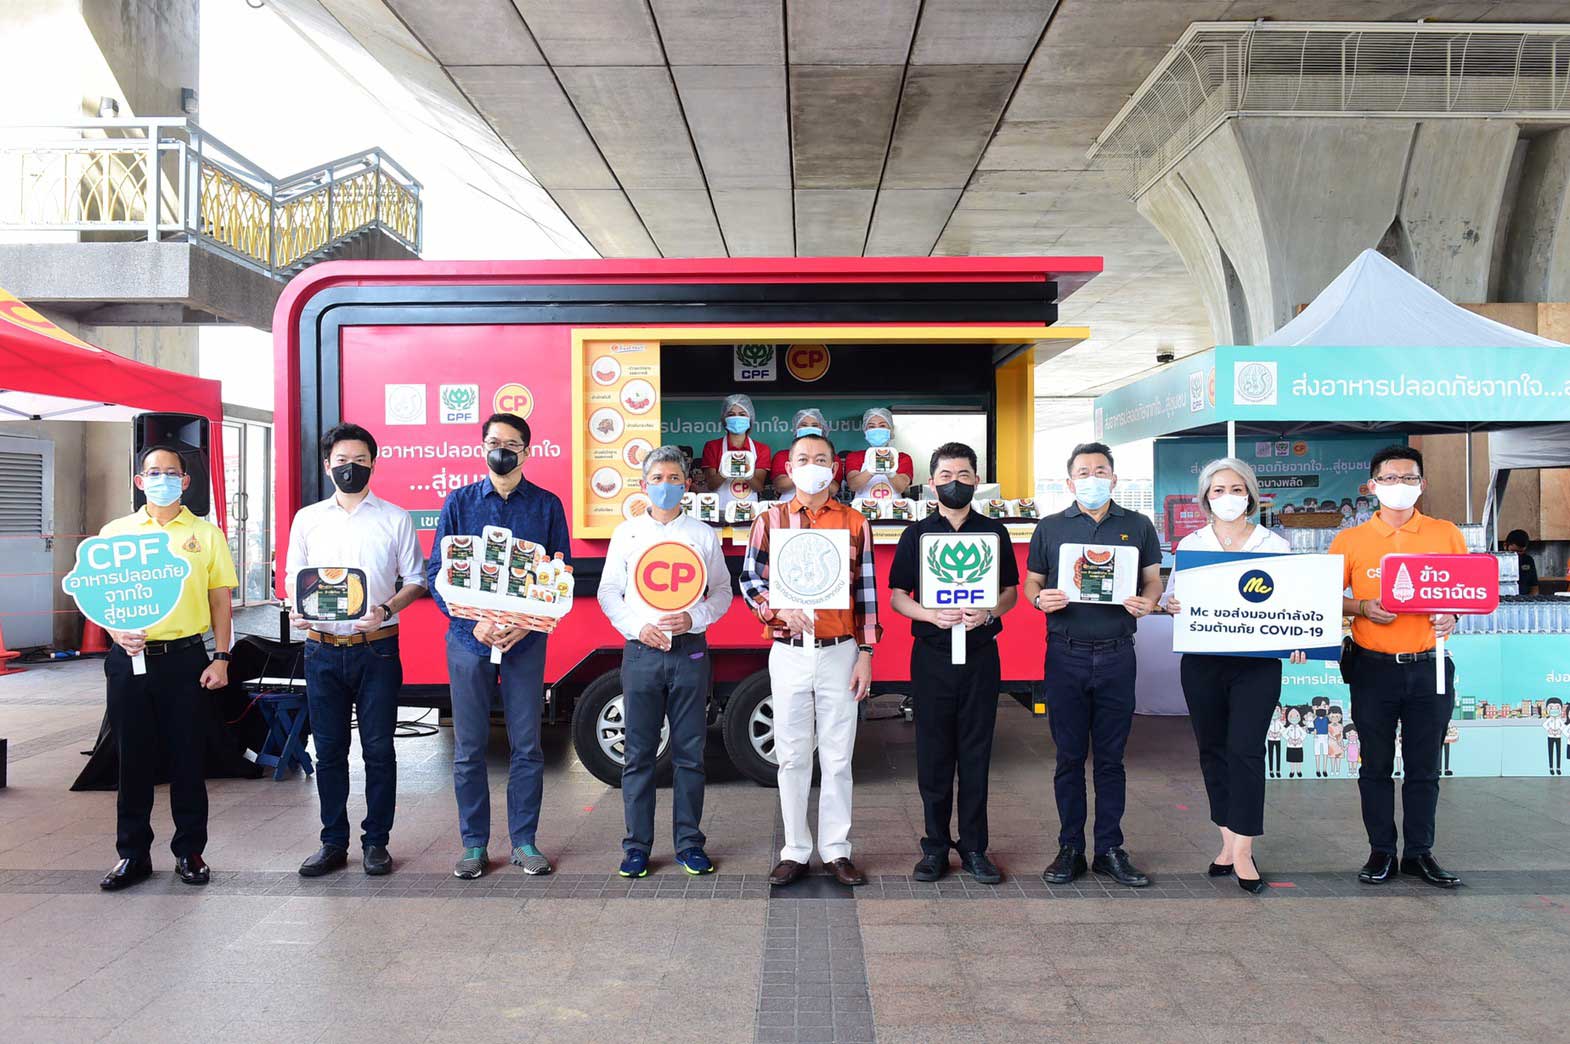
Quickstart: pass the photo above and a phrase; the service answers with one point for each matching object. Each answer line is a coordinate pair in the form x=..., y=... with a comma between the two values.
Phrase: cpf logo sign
x=670, y=577
x=514, y=399
x=756, y=362
x=807, y=362
x=1256, y=585
x=959, y=570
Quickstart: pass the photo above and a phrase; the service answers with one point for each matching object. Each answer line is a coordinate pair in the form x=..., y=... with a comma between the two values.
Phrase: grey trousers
x=659, y=686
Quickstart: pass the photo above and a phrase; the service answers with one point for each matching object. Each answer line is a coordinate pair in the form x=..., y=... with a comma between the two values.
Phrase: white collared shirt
x=1260, y=541
x=377, y=537
x=629, y=613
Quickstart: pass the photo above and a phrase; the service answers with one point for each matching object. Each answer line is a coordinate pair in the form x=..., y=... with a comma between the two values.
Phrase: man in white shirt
x=353, y=666
x=665, y=582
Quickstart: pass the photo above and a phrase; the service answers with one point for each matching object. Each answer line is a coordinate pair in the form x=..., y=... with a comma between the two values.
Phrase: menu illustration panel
x=621, y=390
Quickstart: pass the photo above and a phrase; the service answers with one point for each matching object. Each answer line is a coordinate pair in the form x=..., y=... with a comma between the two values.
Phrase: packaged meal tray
x=330, y=594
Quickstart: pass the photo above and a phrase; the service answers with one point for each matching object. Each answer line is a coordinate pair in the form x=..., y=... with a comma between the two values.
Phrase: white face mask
x=812, y=479
x=1228, y=507
x=1397, y=496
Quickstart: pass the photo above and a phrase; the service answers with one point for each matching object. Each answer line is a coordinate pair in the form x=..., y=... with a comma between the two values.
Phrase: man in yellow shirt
x=163, y=706
x=1390, y=669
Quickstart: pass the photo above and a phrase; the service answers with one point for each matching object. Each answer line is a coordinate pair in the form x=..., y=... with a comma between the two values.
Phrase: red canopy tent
x=47, y=374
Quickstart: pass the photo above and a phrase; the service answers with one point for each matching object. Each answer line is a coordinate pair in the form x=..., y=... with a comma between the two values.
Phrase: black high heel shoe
x=1254, y=887
x=1218, y=870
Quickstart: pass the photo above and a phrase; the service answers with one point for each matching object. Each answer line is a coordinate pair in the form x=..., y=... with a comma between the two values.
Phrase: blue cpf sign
x=127, y=583
x=959, y=571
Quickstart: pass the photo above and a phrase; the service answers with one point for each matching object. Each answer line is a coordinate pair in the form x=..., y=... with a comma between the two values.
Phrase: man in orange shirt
x=1390, y=669
x=817, y=689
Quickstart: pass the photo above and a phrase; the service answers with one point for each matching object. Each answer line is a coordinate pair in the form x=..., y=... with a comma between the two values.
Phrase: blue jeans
x=476, y=686
x=1090, y=697
x=365, y=679
x=659, y=686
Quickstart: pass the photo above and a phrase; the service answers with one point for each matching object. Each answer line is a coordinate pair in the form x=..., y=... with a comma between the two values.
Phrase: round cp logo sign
x=807, y=362
x=514, y=399
x=670, y=577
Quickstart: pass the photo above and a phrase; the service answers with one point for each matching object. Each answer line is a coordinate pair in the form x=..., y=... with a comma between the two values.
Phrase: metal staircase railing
x=160, y=179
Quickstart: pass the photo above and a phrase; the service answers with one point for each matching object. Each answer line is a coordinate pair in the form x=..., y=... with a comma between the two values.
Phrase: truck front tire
x=599, y=732
x=749, y=730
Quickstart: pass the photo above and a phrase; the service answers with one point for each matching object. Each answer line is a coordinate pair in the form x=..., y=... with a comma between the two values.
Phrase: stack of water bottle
x=1522, y=614
x=1310, y=541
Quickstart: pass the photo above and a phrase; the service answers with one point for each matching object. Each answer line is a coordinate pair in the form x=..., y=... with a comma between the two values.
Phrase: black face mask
x=956, y=495
x=351, y=478
x=501, y=461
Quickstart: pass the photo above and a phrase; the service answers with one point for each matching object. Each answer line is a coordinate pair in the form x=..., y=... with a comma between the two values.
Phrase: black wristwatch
x=384, y=607
x=866, y=649
x=221, y=656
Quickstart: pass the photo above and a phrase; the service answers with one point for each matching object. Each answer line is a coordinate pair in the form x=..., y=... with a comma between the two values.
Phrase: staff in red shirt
x=738, y=417
x=864, y=468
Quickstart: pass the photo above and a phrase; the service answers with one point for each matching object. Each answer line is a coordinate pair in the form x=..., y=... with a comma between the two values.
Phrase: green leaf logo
x=755, y=356
x=459, y=397
x=959, y=563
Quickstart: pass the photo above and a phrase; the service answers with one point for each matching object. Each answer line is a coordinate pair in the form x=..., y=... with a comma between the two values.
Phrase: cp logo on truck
x=514, y=399
x=670, y=577
x=807, y=362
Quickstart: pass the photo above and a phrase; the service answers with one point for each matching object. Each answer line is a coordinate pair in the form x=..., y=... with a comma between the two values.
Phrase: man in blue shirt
x=503, y=498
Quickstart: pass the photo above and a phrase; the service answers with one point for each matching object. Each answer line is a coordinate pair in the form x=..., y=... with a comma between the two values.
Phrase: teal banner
x=1174, y=398
x=1317, y=473
x=693, y=422
x=1392, y=384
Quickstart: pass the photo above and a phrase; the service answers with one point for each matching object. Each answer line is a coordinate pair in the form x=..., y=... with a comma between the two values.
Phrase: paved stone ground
x=584, y=955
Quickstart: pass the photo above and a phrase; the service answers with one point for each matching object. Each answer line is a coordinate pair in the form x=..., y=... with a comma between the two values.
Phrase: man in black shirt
x=956, y=705
x=1090, y=668
x=1517, y=542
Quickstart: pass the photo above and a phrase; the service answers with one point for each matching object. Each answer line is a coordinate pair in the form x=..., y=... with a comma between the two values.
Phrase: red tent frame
x=39, y=358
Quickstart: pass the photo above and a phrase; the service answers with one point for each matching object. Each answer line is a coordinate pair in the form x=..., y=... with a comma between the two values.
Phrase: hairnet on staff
x=877, y=411
x=745, y=402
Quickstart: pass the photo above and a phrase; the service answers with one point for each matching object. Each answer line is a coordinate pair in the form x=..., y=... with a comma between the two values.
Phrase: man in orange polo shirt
x=1390, y=669
x=816, y=688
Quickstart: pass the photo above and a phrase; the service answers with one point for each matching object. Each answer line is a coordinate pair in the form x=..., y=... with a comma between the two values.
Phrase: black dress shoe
x=1424, y=866
x=126, y=873
x=1379, y=868
x=1220, y=870
x=978, y=866
x=327, y=859
x=1253, y=886
x=377, y=861
x=1114, y=863
x=787, y=871
x=931, y=867
x=193, y=870
x=1069, y=865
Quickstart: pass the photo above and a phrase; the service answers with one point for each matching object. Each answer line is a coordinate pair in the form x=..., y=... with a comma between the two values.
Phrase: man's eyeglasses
x=156, y=472
x=514, y=445
x=1405, y=480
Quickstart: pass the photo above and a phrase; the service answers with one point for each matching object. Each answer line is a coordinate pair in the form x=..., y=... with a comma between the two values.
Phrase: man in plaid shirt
x=817, y=687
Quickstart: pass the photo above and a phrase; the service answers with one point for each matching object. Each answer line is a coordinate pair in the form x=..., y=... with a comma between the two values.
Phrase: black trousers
x=1231, y=700
x=155, y=717
x=1554, y=753
x=1273, y=752
x=1383, y=693
x=1090, y=700
x=956, y=709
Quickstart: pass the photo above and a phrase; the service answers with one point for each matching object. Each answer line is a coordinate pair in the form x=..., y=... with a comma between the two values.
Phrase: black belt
x=1417, y=657
x=1098, y=645
x=820, y=642
x=173, y=645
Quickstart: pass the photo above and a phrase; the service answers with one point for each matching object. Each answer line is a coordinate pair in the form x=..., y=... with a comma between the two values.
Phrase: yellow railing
x=167, y=178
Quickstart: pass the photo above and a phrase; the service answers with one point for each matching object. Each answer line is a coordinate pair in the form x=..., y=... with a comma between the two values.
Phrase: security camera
x=1164, y=355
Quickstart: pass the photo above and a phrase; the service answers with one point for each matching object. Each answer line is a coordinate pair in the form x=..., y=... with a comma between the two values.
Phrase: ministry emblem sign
x=809, y=569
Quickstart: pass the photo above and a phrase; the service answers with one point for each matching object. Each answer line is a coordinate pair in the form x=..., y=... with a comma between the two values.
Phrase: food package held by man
x=498, y=541
x=490, y=576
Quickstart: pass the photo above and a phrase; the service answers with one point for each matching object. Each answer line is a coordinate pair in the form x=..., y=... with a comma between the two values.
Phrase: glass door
x=248, y=476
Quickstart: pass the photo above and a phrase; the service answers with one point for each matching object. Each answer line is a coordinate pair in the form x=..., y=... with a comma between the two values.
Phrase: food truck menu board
x=621, y=411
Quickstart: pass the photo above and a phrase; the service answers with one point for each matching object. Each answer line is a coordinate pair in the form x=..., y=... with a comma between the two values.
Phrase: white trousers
x=813, y=706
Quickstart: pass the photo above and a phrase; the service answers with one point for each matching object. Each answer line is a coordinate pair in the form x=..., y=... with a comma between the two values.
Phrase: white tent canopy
x=1376, y=302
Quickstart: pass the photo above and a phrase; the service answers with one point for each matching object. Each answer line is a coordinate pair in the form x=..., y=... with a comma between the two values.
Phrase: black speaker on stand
x=187, y=433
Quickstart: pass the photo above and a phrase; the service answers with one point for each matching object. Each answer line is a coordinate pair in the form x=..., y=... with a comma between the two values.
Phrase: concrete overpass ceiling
x=828, y=127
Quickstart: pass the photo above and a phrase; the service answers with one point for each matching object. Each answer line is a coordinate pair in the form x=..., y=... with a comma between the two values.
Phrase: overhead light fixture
x=188, y=100
x=108, y=108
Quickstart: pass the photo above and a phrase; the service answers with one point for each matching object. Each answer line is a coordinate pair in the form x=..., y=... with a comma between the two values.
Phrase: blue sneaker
x=636, y=864
x=695, y=861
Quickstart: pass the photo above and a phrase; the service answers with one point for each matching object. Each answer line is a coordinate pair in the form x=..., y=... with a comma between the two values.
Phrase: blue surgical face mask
x=162, y=490
x=666, y=495
x=879, y=436
x=1093, y=492
x=738, y=425
x=805, y=431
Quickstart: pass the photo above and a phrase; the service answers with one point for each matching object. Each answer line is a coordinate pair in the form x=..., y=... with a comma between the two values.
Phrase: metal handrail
x=168, y=178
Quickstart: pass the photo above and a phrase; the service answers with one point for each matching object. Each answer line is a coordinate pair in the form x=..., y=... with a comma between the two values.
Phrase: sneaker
x=635, y=864
x=534, y=864
x=472, y=864
x=695, y=861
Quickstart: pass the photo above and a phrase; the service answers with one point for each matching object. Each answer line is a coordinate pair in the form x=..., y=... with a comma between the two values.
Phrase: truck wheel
x=749, y=730
x=599, y=732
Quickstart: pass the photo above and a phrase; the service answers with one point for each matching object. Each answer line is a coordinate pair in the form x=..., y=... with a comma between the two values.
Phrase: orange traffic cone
x=6, y=655
x=95, y=641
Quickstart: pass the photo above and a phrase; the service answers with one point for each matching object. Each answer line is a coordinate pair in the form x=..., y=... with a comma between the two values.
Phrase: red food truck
x=421, y=352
